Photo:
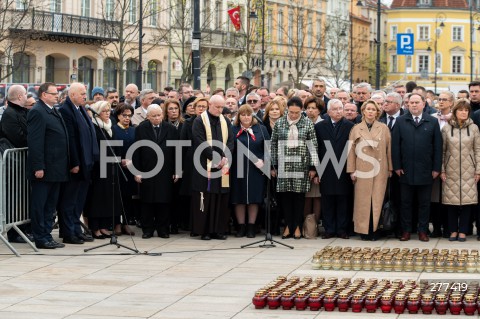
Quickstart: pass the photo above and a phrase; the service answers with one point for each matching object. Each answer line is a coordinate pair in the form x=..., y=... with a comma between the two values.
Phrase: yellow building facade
x=443, y=45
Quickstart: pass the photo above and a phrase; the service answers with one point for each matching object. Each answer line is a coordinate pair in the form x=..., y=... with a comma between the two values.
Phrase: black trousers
x=292, y=205
x=458, y=218
x=335, y=214
x=423, y=194
x=155, y=217
x=71, y=202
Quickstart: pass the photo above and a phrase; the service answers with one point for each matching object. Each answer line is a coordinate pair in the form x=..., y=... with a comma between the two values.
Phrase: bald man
x=13, y=125
x=83, y=149
x=131, y=95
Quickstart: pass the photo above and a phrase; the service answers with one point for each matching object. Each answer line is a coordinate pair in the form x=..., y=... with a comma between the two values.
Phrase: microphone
x=88, y=107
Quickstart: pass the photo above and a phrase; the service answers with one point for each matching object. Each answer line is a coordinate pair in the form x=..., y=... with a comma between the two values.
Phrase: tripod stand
x=113, y=237
x=268, y=235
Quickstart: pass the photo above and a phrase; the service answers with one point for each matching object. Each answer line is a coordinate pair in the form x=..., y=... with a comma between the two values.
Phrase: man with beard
x=131, y=96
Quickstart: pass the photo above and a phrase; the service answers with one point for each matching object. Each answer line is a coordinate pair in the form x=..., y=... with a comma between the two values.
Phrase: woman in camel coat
x=370, y=166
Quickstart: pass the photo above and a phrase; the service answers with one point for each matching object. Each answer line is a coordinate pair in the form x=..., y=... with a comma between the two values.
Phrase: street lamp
x=474, y=19
x=378, y=42
x=253, y=15
x=439, y=22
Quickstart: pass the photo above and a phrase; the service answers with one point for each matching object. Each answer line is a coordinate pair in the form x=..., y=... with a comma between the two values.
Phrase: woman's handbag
x=310, y=227
x=388, y=216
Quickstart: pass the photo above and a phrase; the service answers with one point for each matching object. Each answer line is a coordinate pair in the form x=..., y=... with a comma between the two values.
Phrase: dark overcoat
x=248, y=188
x=47, y=144
x=13, y=125
x=330, y=183
x=82, y=139
x=159, y=188
x=199, y=181
x=417, y=149
x=187, y=156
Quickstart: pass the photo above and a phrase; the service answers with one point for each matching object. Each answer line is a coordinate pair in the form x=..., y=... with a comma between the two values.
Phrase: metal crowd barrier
x=15, y=192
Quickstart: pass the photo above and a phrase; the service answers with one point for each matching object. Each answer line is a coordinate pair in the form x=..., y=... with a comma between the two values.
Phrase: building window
x=131, y=72
x=280, y=27
x=110, y=9
x=85, y=8
x=393, y=32
x=423, y=33
x=290, y=28
x=456, y=64
x=393, y=66
x=153, y=12
x=423, y=63
x=423, y=3
x=152, y=74
x=85, y=71
x=438, y=62
x=109, y=73
x=300, y=31
x=207, y=14
x=319, y=32
x=49, y=69
x=309, y=31
x=132, y=13
x=56, y=6
x=218, y=15
x=21, y=4
x=268, y=30
x=457, y=33
x=21, y=68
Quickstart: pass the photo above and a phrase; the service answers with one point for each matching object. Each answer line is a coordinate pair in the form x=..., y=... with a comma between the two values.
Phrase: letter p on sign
x=405, y=44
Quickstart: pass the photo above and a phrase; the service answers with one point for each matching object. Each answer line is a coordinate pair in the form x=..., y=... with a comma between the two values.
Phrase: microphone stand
x=113, y=237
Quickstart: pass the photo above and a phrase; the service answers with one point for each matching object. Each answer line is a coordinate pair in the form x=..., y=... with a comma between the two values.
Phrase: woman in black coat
x=104, y=204
x=156, y=192
x=247, y=181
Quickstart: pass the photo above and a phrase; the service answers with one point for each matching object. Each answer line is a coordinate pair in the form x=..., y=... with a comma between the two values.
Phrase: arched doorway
x=212, y=77
x=85, y=72
x=153, y=74
x=228, y=76
x=131, y=71
x=109, y=73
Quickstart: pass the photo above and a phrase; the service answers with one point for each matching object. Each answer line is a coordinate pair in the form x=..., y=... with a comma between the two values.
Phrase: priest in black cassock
x=213, y=144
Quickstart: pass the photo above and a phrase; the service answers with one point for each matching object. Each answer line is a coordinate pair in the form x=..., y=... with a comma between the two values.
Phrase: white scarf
x=106, y=126
x=292, y=132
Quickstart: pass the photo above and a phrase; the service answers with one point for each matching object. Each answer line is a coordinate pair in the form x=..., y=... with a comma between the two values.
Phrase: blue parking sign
x=405, y=44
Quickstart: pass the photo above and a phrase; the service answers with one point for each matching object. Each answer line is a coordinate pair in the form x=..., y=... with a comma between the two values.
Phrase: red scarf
x=249, y=132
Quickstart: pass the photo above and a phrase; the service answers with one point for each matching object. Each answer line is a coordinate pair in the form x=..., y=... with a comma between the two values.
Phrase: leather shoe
x=218, y=236
x=405, y=236
x=57, y=245
x=85, y=237
x=327, y=236
x=17, y=239
x=147, y=235
x=423, y=236
x=343, y=236
x=73, y=240
x=101, y=236
x=287, y=236
x=46, y=245
x=205, y=237
x=163, y=235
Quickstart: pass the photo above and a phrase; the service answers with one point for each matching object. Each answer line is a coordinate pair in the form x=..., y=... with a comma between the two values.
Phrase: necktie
x=157, y=131
x=416, y=120
x=390, y=122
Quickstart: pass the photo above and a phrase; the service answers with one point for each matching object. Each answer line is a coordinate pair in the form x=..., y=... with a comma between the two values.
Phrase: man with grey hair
x=156, y=192
x=343, y=96
x=332, y=92
x=391, y=109
x=254, y=100
x=140, y=114
x=232, y=93
x=131, y=96
x=379, y=99
x=212, y=133
x=362, y=93
x=337, y=191
x=318, y=90
x=303, y=95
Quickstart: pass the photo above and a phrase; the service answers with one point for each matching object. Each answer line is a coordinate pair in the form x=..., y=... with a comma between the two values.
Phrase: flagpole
x=196, y=45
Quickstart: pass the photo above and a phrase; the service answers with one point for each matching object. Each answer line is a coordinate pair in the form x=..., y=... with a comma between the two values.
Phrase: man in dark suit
x=318, y=90
x=47, y=165
x=83, y=149
x=417, y=160
x=335, y=185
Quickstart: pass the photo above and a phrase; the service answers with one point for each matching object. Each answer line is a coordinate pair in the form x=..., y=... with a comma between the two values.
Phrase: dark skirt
x=215, y=215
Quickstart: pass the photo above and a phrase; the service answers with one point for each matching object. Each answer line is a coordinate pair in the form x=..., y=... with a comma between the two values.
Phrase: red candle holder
x=357, y=303
x=469, y=305
x=343, y=302
x=413, y=304
x=301, y=300
x=288, y=300
x=427, y=304
x=386, y=303
x=315, y=301
x=260, y=299
x=399, y=304
x=371, y=303
x=329, y=301
x=455, y=304
x=441, y=304
x=273, y=300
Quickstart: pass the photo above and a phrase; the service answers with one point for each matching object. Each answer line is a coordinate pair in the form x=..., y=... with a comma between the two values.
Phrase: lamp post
x=253, y=15
x=378, y=42
x=439, y=18
x=474, y=19
x=196, y=36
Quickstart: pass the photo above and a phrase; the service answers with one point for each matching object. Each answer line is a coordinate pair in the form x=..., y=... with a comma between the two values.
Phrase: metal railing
x=15, y=193
x=53, y=23
x=222, y=39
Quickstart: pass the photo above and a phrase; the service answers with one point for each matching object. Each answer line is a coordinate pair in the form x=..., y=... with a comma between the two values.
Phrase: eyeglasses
x=126, y=115
x=443, y=100
x=51, y=93
x=200, y=106
x=252, y=101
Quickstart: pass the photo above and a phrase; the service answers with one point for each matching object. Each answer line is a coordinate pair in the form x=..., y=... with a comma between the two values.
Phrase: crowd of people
x=213, y=163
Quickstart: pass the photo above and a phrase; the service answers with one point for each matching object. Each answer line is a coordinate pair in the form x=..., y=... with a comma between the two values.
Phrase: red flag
x=235, y=17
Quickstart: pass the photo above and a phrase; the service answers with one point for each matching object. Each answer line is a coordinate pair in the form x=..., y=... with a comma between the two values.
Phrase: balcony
x=64, y=28
x=223, y=40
